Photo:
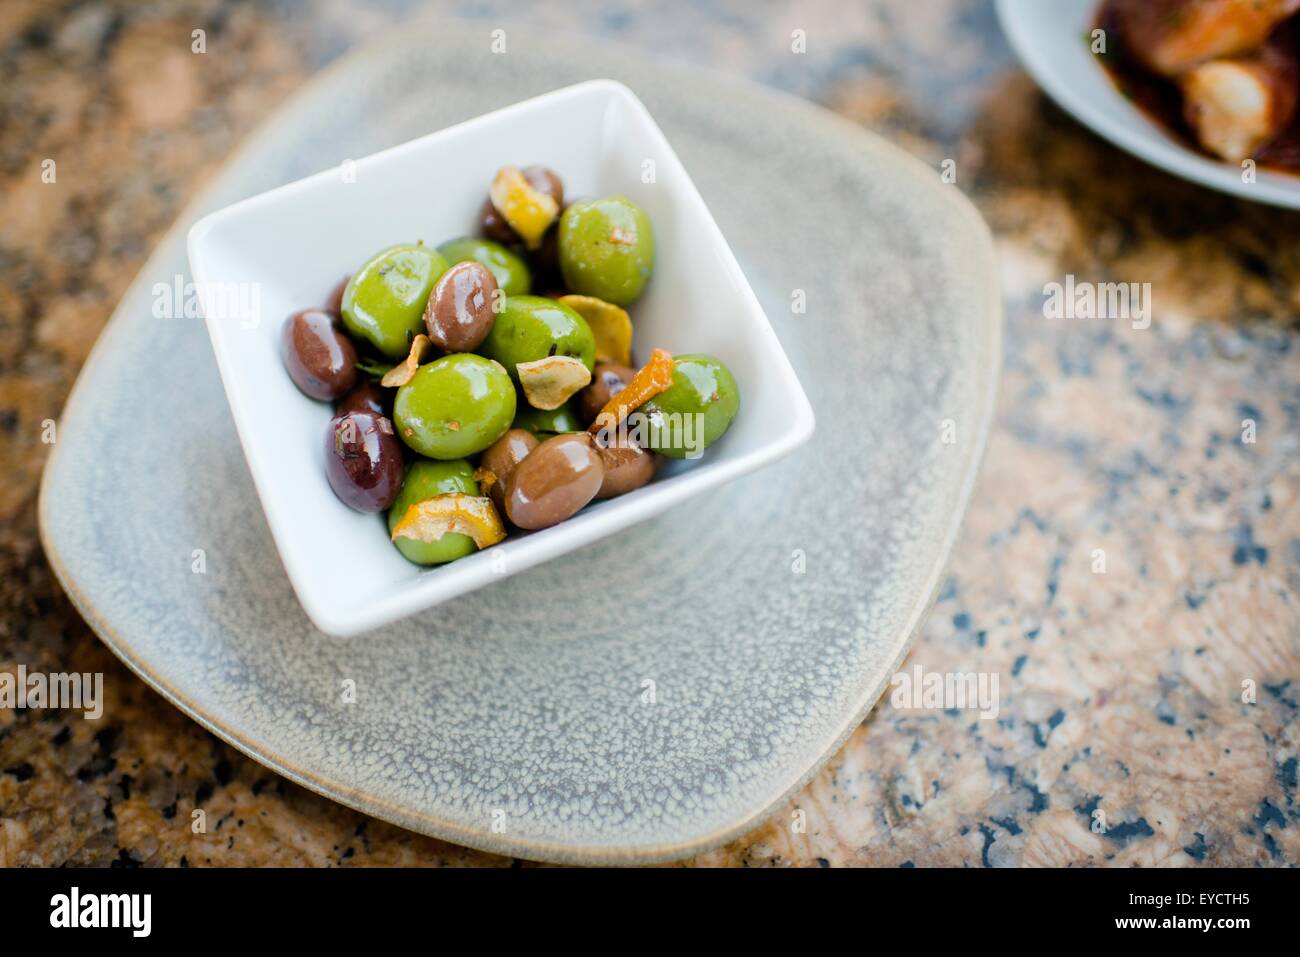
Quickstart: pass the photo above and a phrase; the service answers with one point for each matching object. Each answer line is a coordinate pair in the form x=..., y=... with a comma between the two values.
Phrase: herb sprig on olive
x=465, y=404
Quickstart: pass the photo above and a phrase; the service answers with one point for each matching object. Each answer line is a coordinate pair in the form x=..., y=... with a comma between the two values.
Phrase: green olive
x=384, y=300
x=454, y=406
x=533, y=327
x=425, y=479
x=544, y=423
x=702, y=386
x=607, y=249
x=511, y=272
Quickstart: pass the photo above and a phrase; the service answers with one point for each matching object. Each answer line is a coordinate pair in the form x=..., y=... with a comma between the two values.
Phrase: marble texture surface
x=1121, y=692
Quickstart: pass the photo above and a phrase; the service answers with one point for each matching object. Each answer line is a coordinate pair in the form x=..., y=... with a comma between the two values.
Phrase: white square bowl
x=285, y=249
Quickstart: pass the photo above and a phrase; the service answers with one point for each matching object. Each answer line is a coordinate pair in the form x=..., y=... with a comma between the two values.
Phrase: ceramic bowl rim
x=398, y=599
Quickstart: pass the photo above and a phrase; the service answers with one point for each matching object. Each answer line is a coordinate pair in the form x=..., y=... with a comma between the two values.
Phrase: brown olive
x=334, y=303
x=321, y=360
x=557, y=479
x=545, y=180
x=607, y=381
x=363, y=461
x=492, y=225
x=627, y=467
x=366, y=396
x=502, y=456
x=459, y=313
x=546, y=259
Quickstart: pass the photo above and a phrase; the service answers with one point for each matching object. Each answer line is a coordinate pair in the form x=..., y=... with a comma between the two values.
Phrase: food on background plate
x=466, y=405
x=1172, y=36
x=1238, y=107
x=1223, y=75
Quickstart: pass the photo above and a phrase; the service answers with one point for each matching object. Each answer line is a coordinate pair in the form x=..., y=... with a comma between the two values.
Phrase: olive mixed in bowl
x=466, y=405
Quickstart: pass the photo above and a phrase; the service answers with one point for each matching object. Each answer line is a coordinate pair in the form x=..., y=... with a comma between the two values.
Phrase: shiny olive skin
x=607, y=381
x=545, y=180
x=627, y=467
x=454, y=406
x=510, y=271
x=544, y=423
x=334, y=304
x=366, y=396
x=554, y=482
x=320, y=359
x=501, y=458
x=363, y=461
x=424, y=480
x=493, y=225
x=607, y=249
x=384, y=301
x=459, y=314
x=534, y=327
x=701, y=385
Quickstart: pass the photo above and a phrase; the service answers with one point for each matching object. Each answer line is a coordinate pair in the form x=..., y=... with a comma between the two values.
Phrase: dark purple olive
x=366, y=396
x=334, y=303
x=459, y=313
x=492, y=225
x=321, y=360
x=363, y=461
x=546, y=259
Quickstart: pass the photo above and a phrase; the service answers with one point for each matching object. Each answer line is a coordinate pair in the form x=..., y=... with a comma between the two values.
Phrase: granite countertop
x=1121, y=691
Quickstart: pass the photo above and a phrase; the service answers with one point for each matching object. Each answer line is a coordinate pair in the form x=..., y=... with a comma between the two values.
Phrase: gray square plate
x=659, y=692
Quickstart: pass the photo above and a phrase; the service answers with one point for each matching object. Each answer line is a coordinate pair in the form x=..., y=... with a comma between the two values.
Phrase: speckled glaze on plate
x=655, y=694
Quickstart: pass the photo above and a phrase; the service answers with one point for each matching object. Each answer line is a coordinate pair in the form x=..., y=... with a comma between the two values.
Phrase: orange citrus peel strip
x=611, y=327
x=435, y=517
x=655, y=377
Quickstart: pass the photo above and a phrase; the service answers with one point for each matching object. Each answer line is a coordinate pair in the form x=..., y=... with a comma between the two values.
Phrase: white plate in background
x=1051, y=39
